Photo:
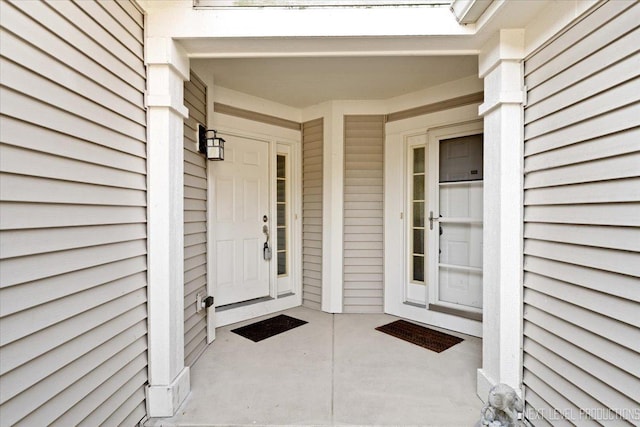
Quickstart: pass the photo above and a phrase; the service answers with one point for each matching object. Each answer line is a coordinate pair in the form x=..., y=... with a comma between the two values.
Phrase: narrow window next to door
x=417, y=216
x=281, y=220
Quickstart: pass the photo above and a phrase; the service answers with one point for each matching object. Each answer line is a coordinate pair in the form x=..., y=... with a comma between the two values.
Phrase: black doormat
x=419, y=335
x=269, y=327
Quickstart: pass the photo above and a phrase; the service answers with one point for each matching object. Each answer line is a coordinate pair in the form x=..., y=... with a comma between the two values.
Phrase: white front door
x=241, y=211
x=443, y=228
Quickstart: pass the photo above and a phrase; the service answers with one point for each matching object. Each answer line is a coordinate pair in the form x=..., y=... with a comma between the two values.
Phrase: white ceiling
x=301, y=82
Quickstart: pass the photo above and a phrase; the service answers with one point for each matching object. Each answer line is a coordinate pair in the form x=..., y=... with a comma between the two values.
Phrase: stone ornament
x=502, y=408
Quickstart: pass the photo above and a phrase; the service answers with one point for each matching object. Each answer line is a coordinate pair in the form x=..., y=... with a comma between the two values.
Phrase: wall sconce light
x=210, y=144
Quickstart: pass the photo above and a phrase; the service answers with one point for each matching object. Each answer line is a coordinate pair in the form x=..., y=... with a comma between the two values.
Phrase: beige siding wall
x=312, y=145
x=363, y=214
x=195, y=221
x=73, y=331
x=582, y=221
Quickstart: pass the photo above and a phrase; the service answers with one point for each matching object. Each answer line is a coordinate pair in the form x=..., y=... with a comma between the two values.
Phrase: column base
x=164, y=400
x=484, y=384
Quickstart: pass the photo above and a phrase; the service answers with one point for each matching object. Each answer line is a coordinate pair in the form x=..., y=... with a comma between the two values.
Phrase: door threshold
x=456, y=312
x=243, y=303
x=415, y=304
x=245, y=310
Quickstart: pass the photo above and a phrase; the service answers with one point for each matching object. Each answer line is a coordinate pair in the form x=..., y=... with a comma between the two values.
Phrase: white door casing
x=241, y=198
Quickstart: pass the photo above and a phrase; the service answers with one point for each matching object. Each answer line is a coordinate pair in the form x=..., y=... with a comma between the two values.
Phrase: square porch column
x=167, y=69
x=500, y=65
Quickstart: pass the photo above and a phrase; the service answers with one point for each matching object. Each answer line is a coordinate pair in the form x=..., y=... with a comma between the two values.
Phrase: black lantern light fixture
x=210, y=144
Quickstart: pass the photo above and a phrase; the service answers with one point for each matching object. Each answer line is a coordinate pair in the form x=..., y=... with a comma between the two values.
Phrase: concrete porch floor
x=335, y=370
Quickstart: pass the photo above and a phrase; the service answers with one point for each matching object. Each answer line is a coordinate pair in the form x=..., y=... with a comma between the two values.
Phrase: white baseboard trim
x=164, y=400
x=483, y=385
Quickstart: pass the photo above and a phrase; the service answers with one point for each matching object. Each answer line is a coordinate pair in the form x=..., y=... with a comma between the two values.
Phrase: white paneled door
x=241, y=216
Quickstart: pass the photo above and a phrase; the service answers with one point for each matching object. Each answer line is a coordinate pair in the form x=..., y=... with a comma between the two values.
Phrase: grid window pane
x=281, y=167
x=418, y=160
x=418, y=187
x=418, y=214
x=282, y=263
x=282, y=239
x=282, y=214
x=418, y=241
x=418, y=268
x=282, y=191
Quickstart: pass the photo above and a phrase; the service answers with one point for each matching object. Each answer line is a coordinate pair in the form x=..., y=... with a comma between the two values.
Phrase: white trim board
x=250, y=311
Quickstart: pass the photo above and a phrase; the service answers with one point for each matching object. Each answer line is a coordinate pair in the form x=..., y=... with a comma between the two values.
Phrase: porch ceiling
x=301, y=82
x=292, y=57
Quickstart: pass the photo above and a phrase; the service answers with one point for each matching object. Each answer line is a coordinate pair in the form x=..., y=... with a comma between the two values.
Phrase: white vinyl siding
x=312, y=146
x=582, y=222
x=73, y=248
x=195, y=223
x=363, y=214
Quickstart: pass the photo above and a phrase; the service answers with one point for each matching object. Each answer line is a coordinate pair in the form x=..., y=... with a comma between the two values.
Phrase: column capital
x=167, y=69
x=506, y=45
x=165, y=51
x=501, y=67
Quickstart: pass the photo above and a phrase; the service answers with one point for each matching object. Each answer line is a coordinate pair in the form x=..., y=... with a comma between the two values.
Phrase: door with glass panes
x=444, y=227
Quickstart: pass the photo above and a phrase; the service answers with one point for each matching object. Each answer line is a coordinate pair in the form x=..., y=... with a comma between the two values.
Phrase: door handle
x=431, y=219
x=266, y=250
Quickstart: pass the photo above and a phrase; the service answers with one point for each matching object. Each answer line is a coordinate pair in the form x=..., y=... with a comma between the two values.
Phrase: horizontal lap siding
x=195, y=225
x=312, y=146
x=73, y=248
x=582, y=222
x=363, y=214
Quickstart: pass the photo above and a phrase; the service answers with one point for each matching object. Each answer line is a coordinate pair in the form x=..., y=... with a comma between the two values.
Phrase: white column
x=168, y=67
x=500, y=65
x=333, y=212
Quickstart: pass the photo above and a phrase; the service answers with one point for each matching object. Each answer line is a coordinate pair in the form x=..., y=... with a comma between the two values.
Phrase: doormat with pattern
x=419, y=335
x=269, y=327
